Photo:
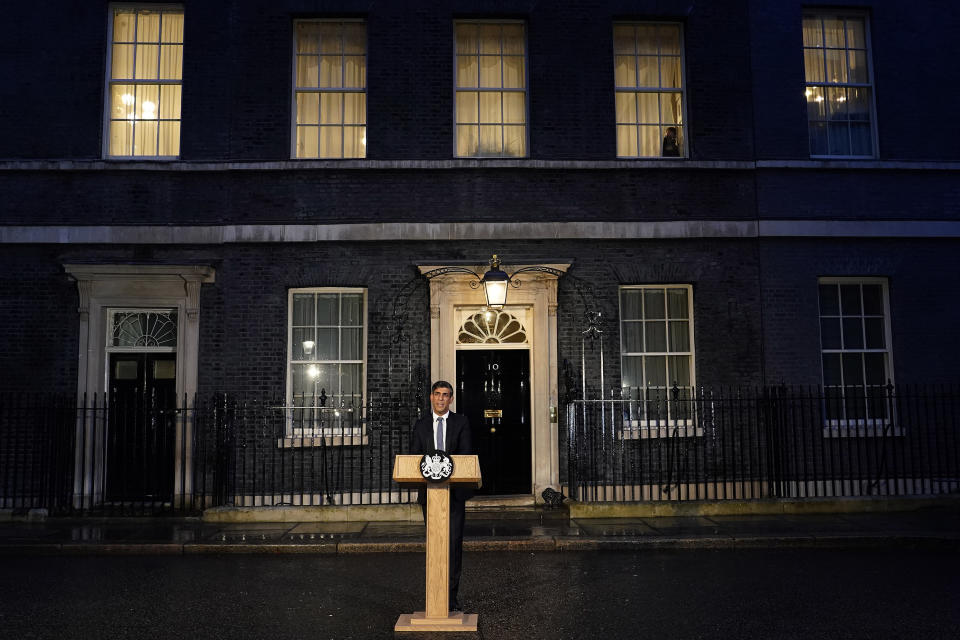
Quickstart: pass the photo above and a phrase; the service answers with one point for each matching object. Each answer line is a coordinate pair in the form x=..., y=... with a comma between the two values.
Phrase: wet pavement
x=533, y=530
x=803, y=593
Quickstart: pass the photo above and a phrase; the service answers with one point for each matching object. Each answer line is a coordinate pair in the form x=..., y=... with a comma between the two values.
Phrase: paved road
x=742, y=594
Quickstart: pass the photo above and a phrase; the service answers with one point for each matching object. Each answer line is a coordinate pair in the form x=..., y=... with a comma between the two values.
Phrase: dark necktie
x=440, y=434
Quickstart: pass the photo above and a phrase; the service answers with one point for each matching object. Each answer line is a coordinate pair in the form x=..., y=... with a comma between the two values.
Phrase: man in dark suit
x=450, y=432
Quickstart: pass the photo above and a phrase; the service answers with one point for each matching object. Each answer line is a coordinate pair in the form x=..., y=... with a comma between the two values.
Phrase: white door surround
x=536, y=301
x=105, y=286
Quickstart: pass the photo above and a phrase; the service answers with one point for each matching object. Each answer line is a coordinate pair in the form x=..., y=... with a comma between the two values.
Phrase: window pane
x=148, y=26
x=656, y=371
x=121, y=138
x=858, y=67
x=490, y=72
x=832, y=374
x=860, y=140
x=327, y=343
x=513, y=39
x=171, y=61
x=856, y=34
x=876, y=370
x=647, y=38
x=307, y=71
x=679, y=336
x=308, y=108
x=354, y=38
x=122, y=100
x=355, y=108
x=633, y=337
x=467, y=106
x=350, y=383
x=626, y=107
x=148, y=57
x=147, y=102
x=351, y=309
x=669, y=39
x=655, y=336
x=631, y=304
x=834, y=32
x=648, y=72
x=654, y=304
x=852, y=333
x=513, y=72
x=627, y=141
x=169, y=139
x=170, y=102
x=490, y=107
x=302, y=310
x=872, y=299
x=670, y=72
x=355, y=142
x=308, y=37
x=124, y=24
x=351, y=345
x=515, y=141
x=331, y=71
x=490, y=38
x=623, y=39
x=649, y=108
x=491, y=140
x=331, y=142
x=813, y=65
x=850, y=299
x=852, y=369
x=625, y=71
x=677, y=301
x=467, y=38
x=816, y=104
x=468, y=139
x=650, y=141
x=836, y=103
x=830, y=333
x=514, y=110
x=145, y=139
x=171, y=27
x=819, y=145
x=355, y=72
x=874, y=333
x=307, y=142
x=330, y=37
x=122, y=63
x=632, y=374
x=467, y=71
x=671, y=109
x=812, y=36
x=328, y=309
x=679, y=370
x=330, y=108
x=299, y=336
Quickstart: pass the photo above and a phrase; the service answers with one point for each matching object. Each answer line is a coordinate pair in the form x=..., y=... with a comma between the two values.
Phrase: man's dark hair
x=440, y=384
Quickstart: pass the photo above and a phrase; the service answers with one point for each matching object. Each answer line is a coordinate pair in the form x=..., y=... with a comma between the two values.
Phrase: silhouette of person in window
x=671, y=148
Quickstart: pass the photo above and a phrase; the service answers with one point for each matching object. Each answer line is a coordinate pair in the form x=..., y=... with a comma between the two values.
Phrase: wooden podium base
x=418, y=621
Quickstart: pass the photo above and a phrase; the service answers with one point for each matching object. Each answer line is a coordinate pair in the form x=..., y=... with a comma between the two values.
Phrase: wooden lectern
x=437, y=616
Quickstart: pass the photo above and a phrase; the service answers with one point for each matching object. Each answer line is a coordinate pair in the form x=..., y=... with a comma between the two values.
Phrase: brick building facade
x=767, y=214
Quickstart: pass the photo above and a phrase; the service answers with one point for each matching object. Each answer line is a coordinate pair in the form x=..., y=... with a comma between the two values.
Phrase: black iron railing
x=736, y=443
x=138, y=457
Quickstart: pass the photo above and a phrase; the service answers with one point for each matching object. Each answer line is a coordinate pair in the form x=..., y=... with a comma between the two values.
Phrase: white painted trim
x=538, y=295
x=446, y=231
x=147, y=163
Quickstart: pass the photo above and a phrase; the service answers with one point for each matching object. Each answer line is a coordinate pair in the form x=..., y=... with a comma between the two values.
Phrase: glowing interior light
x=819, y=98
x=842, y=99
x=313, y=371
x=363, y=140
x=149, y=109
x=127, y=99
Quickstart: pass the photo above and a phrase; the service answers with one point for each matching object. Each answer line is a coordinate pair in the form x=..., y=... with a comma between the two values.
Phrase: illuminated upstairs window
x=144, y=82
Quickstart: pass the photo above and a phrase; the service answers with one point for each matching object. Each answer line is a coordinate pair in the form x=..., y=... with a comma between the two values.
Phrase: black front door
x=141, y=427
x=494, y=393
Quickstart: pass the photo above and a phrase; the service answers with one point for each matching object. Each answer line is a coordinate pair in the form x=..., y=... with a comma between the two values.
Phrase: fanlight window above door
x=144, y=328
x=492, y=327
